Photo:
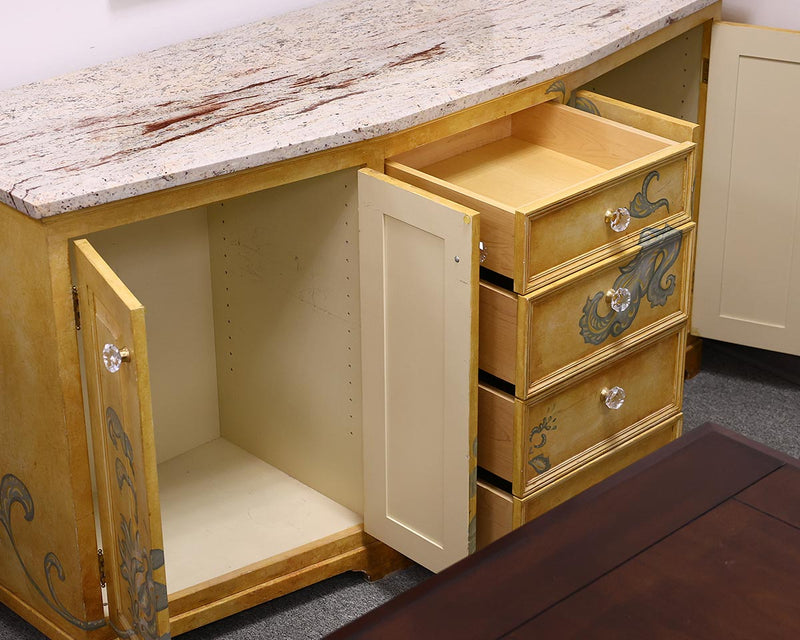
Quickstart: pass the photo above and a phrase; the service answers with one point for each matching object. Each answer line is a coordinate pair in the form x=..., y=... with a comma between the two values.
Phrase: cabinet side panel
x=40, y=514
x=748, y=258
x=665, y=79
x=286, y=308
x=165, y=262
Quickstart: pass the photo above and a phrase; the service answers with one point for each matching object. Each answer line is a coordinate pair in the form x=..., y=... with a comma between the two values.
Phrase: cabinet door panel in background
x=419, y=295
x=117, y=375
x=748, y=251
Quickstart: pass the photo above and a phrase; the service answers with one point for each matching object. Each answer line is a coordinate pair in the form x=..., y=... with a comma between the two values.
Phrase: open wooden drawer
x=526, y=441
x=551, y=183
x=543, y=337
x=500, y=512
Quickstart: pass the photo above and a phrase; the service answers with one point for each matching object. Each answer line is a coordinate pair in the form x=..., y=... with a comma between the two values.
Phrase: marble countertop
x=339, y=72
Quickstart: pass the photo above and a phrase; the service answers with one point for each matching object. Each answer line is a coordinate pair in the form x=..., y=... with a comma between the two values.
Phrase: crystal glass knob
x=113, y=357
x=619, y=299
x=482, y=249
x=619, y=219
x=613, y=397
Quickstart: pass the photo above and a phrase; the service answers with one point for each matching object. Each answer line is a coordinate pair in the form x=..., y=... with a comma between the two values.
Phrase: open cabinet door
x=117, y=376
x=419, y=296
x=747, y=273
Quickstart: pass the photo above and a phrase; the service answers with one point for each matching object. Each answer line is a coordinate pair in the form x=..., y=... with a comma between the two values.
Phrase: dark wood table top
x=701, y=539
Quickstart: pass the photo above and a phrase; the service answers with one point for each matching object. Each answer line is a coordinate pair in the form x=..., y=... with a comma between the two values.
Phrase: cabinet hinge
x=706, y=63
x=76, y=308
x=101, y=561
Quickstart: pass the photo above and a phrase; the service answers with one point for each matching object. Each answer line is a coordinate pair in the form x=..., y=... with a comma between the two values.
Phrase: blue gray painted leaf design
x=537, y=439
x=558, y=87
x=117, y=436
x=584, y=104
x=640, y=206
x=147, y=597
x=645, y=277
x=13, y=491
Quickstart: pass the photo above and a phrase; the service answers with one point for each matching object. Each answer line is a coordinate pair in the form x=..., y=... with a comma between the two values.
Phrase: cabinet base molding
x=694, y=356
x=350, y=550
x=45, y=625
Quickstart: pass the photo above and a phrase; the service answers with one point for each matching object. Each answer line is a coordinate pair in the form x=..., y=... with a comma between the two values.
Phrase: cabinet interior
x=252, y=313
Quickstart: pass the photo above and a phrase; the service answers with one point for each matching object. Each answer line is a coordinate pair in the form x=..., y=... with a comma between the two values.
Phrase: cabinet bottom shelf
x=224, y=509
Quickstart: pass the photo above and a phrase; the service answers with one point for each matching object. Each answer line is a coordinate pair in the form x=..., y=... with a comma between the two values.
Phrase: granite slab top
x=335, y=73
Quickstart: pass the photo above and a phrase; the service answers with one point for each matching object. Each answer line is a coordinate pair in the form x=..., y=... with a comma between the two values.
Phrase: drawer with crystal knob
x=528, y=442
x=561, y=329
x=499, y=511
x=558, y=188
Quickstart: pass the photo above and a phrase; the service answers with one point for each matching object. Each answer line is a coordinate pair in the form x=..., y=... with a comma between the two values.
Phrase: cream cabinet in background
x=748, y=258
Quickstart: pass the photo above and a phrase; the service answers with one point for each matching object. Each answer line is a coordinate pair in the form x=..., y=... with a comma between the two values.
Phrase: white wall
x=781, y=14
x=45, y=38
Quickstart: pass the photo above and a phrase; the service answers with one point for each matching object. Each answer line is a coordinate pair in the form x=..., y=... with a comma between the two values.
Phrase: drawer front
x=569, y=326
x=575, y=324
x=585, y=476
x=578, y=421
x=543, y=179
x=536, y=436
x=499, y=512
x=571, y=233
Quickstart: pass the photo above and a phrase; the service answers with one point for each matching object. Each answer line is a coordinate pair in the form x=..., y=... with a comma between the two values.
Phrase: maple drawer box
x=499, y=511
x=537, y=339
x=559, y=188
x=525, y=441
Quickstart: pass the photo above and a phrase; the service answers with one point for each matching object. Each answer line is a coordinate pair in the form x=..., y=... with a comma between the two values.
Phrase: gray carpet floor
x=753, y=392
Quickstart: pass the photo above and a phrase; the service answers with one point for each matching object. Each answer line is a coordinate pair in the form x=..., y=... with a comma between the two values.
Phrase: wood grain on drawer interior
x=539, y=156
x=495, y=514
x=568, y=326
x=499, y=512
x=497, y=331
x=638, y=117
x=535, y=436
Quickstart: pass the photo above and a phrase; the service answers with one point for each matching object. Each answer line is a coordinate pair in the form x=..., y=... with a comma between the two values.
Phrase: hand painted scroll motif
x=147, y=597
x=14, y=491
x=537, y=439
x=645, y=277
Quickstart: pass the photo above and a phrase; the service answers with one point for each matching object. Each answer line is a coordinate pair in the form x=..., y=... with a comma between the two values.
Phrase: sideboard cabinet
x=240, y=387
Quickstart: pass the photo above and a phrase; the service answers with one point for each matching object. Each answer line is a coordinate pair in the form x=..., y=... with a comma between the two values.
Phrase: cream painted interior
x=252, y=313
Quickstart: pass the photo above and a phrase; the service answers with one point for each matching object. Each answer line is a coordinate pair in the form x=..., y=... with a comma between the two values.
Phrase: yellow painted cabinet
x=311, y=357
x=588, y=246
x=308, y=382
x=117, y=377
x=418, y=293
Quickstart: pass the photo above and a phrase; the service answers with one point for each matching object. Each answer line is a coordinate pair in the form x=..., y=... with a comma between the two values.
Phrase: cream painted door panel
x=419, y=295
x=748, y=253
